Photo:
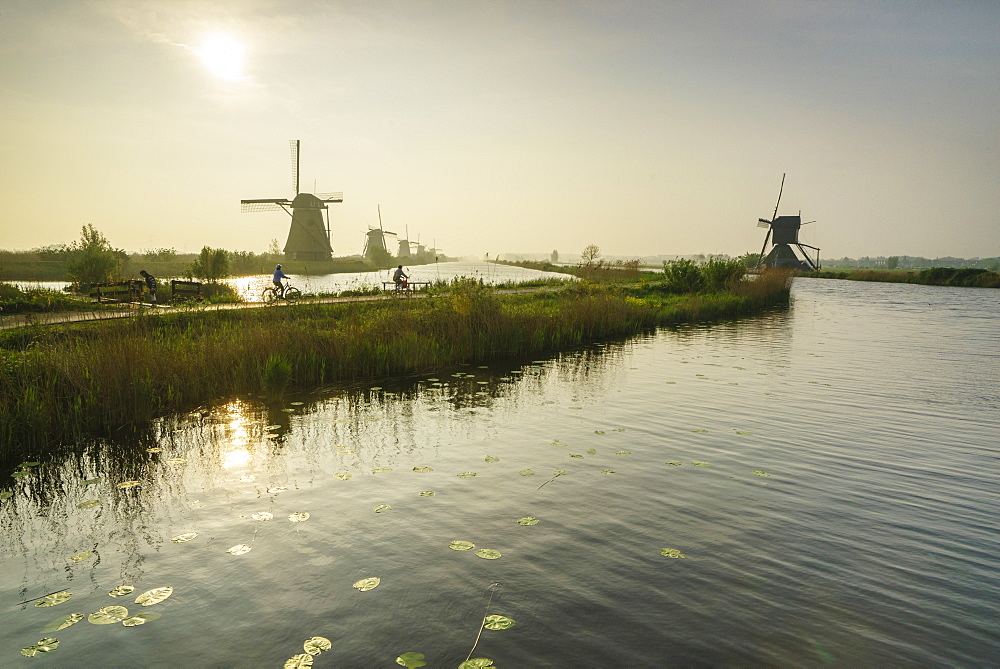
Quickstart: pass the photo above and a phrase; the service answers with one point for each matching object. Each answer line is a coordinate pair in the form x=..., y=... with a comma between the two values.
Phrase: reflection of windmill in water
x=309, y=235
x=375, y=240
x=783, y=233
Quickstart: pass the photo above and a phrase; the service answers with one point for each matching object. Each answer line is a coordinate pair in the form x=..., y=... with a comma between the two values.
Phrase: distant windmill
x=783, y=233
x=404, y=245
x=375, y=238
x=308, y=236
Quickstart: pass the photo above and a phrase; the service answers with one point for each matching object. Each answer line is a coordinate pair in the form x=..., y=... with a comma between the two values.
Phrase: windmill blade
x=294, y=145
x=330, y=197
x=248, y=206
x=763, y=223
x=780, y=191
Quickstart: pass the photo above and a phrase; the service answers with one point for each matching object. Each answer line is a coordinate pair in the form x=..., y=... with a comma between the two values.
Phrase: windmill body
x=783, y=234
x=309, y=233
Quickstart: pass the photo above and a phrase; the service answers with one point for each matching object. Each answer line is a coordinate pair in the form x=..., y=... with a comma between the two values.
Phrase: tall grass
x=966, y=277
x=61, y=383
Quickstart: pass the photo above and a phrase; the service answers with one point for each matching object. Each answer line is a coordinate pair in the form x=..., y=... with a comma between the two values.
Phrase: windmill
x=309, y=235
x=375, y=244
x=404, y=245
x=783, y=233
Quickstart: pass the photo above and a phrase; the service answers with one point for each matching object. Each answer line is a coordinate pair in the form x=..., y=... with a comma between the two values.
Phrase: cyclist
x=278, y=276
x=399, y=278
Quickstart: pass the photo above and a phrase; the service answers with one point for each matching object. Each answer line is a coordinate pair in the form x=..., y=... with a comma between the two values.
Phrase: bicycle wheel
x=292, y=294
x=269, y=296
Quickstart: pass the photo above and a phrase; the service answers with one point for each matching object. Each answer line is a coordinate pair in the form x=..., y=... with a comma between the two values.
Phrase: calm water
x=874, y=408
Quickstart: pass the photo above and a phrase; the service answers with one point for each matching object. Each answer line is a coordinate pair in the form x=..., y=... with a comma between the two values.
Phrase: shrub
x=683, y=276
x=720, y=274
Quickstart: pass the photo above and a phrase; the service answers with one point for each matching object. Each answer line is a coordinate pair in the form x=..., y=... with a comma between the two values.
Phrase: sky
x=502, y=126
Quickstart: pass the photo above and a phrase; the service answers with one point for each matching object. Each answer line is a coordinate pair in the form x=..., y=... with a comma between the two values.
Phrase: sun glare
x=222, y=54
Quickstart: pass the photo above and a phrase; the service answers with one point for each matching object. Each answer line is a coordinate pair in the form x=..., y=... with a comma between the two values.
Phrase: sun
x=223, y=55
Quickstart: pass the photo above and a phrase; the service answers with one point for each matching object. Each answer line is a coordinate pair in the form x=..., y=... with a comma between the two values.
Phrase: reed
x=62, y=383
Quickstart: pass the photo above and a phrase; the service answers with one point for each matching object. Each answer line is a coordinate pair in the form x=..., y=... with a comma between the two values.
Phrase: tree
x=92, y=258
x=554, y=258
x=211, y=264
x=274, y=250
x=590, y=254
x=892, y=262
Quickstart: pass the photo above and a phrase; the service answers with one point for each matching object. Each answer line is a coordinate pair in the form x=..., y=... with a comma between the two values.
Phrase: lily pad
x=559, y=472
x=366, y=584
x=43, y=646
x=488, y=554
x=382, y=507
x=300, y=517
x=239, y=549
x=459, y=546
x=89, y=504
x=758, y=472
x=700, y=431
x=527, y=520
x=618, y=429
x=556, y=442
x=744, y=434
x=108, y=615
x=598, y=431
x=81, y=556
x=466, y=475
x=426, y=493
x=672, y=553
x=699, y=463
x=623, y=452
x=422, y=470
x=54, y=599
x=63, y=622
x=607, y=471
x=5, y=494
x=128, y=484
x=183, y=538
x=492, y=458
x=411, y=660
x=122, y=590
x=154, y=596
x=140, y=619
x=342, y=476
x=527, y=472
x=674, y=463
x=575, y=455
x=299, y=661
x=316, y=645
x=591, y=451
x=380, y=470
x=476, y=663
x=497, y=622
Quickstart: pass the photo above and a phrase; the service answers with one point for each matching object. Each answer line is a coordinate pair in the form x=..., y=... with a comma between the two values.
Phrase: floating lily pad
x=527, y=472
x=488, y=554
x=497, y=622
x=140, y=619
x=672, y=553
x=459, y=546
x=81, y=556
x=108, y=615
x=598, y=431
x=758, y=472
x=380, y=470
x=527, y=520
x=491, y=458
x=239, y=549
x=623, y=452
x=176, y=461
x=299, y=517
x=63, y=622
x=381, y=508
x=426, y=493
x=674, y=463
x=466, y=475
x=366, y=584
x=299, y=661
x=618, y=429
x=700, y=431
x=43, y=646
x=89, y=504
x=476, y=663
x=575, y=455
x=262, y=516
x=182, y=538
x=556, y=442
x=559, y=472
x=422, y=470
x=54, y=599
x=5, y=494
x=316, y=645
x=744, y=434
x=277, y=489
x=699, y=463
x=343, y=476
x=591, y=451
x=128, y=484
x=91, y=481
x=411, y=660
x=154, y=596
x=122, y=590
x=607, y=471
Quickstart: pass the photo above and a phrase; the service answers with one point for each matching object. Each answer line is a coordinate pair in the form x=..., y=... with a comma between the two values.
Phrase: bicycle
x=291, y=294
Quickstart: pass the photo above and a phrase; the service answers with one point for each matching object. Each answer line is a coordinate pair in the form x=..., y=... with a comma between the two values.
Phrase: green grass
x=966, y=277
x=63, y=383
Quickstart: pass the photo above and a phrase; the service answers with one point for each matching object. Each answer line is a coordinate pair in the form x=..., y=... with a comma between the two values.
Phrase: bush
x=721, y=274
x=211, y=264
x=683, y=276
x=93, y=260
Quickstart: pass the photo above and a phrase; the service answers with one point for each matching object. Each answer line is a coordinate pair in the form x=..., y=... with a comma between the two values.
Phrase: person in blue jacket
x=278, y=276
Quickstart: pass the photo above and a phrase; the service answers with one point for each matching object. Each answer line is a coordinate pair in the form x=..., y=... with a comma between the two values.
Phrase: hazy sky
x=501, y=126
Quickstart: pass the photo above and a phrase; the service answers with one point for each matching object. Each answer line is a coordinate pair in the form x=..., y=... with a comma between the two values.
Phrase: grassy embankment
x=62, y=383
x=966, y=277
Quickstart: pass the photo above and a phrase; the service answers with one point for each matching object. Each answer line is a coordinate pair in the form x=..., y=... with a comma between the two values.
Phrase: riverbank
x=965, y=277
x=66, y=382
